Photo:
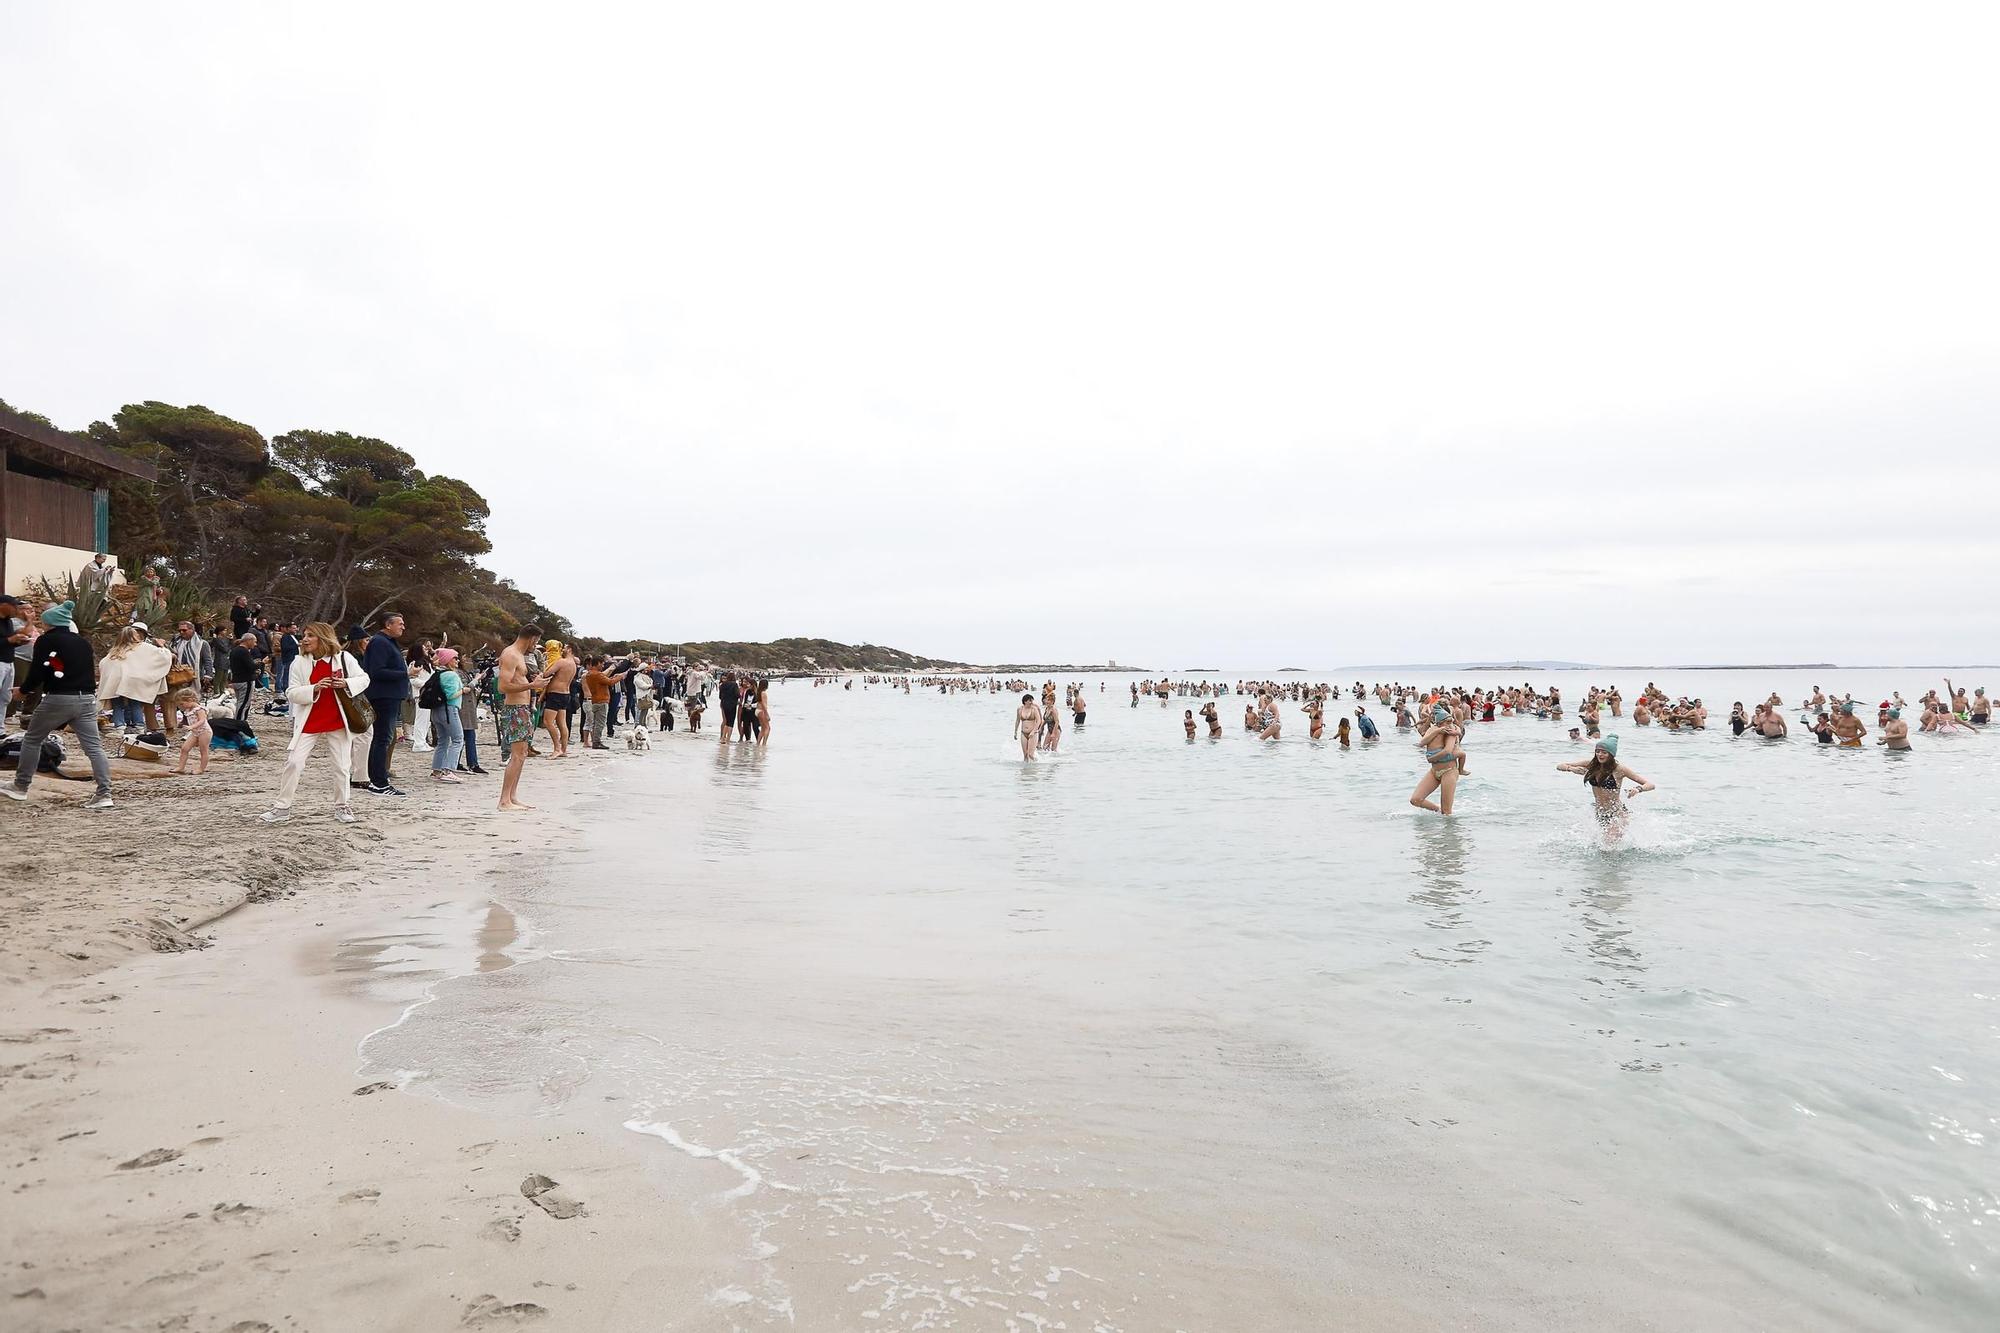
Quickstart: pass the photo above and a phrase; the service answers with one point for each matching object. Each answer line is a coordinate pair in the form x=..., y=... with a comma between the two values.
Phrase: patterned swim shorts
x=517, y=723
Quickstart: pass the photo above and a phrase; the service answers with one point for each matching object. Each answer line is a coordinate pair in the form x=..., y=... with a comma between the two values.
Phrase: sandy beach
x=187, y=1143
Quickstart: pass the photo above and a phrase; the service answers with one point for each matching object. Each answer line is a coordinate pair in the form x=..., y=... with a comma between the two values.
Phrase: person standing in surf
x=1602, y=773
x=1028, y=725
x=1440, y=744
x=1895, y=732
x=516, y=722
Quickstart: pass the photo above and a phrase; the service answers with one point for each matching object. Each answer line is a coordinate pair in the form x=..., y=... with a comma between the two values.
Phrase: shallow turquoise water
x=1240, y=1038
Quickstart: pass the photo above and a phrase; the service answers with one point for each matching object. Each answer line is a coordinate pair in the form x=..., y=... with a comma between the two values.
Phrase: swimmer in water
x=1267, y=718
x=1895, y=732
x=1849, y=728
x=1441, y=755
x=1602, y=773
x=1214, y=721
x=1027, y=725
x=1187, y=720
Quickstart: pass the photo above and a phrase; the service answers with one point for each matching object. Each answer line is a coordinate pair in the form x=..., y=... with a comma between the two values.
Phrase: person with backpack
x=65, y=671
x=442, y=693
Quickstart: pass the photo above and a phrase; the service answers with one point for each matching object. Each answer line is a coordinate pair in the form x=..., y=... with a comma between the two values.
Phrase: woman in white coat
x=132, y=677
x=314, y=696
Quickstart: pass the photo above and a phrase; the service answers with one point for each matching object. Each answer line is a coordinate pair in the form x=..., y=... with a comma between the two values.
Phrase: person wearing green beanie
x=1895, y=732
x=65, y=671
x=1849, y=728
x=1602, y=773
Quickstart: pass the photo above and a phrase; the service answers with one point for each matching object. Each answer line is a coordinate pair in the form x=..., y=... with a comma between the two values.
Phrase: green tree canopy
x=350, y=524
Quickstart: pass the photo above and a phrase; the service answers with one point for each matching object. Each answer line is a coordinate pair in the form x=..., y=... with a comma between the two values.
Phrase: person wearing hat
x=1602, y=773
x=65, y=671
x=1848, y=727
x=447, y=731
x=1895, y=732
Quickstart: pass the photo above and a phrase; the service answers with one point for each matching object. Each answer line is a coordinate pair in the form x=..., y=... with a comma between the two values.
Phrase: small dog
x=638, y=739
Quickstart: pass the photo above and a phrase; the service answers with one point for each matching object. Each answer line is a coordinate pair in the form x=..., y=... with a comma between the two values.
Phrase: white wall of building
x=27, y=561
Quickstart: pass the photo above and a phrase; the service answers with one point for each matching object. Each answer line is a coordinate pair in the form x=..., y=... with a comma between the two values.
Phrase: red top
x=325, y=714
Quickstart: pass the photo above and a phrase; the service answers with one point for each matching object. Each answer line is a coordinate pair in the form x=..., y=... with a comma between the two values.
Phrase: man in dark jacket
x=243, y=673
x=388, y=686
x=65, y=671
x=219, y=645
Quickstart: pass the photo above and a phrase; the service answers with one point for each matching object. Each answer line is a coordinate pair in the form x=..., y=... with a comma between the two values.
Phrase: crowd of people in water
x=1437, y=717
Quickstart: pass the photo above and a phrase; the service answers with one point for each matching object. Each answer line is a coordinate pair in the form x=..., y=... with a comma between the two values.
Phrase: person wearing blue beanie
x=1602, y=773
x=64, y=670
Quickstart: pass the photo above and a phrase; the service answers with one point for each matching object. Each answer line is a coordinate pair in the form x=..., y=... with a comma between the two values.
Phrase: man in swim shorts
x=1849, y=728
x=517, y=710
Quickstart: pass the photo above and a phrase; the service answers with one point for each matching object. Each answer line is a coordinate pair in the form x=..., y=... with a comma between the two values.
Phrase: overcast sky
x=1216, y=334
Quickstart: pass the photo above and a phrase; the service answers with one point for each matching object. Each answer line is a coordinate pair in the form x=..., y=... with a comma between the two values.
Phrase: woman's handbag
x=180, y=676
x=357, y=717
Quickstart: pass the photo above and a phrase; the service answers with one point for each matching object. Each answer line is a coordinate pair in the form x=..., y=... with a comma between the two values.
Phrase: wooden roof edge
x=78, y=452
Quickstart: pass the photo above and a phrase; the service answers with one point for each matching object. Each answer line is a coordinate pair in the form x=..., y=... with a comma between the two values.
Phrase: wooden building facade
x=55, y=499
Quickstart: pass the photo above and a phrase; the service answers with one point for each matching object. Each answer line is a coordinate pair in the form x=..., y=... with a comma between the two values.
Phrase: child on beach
x=194, y=717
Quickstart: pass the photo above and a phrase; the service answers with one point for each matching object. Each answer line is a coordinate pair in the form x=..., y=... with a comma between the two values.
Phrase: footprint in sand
x=540, y=1191
x=369, y=1089
x=359, y=1196
x=489, y=1311
x=504, y=1229
x=151, y=1157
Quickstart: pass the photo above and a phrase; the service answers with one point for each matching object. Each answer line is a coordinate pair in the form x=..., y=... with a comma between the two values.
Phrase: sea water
x=1159, y=1034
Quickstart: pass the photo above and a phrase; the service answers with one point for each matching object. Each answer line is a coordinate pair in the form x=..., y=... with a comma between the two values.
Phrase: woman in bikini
x=1027, y=725
x=1443, y=760
x=1602, y=773
x=1267, y=718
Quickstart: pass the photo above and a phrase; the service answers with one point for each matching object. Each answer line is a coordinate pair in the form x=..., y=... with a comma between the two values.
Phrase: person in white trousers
x=323, y=668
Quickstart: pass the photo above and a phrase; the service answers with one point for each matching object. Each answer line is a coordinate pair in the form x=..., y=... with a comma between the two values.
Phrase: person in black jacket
x=388, y=685
x=243, y=673
x=65, y=671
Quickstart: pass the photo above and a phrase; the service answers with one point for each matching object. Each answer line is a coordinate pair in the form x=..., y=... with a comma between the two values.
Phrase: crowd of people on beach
x=368, y=691
x=356, y=697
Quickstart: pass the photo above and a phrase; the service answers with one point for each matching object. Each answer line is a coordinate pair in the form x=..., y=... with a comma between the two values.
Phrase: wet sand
x=188, y=1143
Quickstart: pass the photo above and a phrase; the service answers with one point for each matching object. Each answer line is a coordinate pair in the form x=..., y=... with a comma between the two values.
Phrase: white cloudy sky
x=1325, y=334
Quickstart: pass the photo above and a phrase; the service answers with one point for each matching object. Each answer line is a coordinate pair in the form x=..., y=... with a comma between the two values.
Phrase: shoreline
x=193, y=1145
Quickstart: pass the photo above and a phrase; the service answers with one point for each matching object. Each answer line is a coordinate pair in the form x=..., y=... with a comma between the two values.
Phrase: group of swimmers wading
x=1445, y=713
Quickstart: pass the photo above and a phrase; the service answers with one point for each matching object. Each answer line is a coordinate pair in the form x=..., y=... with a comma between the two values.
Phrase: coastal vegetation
x=327, y=525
